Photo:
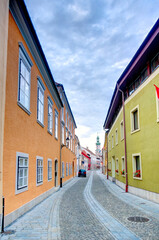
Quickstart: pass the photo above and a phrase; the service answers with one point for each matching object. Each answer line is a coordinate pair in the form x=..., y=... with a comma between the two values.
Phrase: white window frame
x=62, y=114
x=27, y=63
x=24, y=187
x=49, y=161
x=41, y=181
x=56, y=124
x=66, y=169
x=69, y=169
x=116, y=136
x=133, y=130
x=123, y=165
x=122, y=130
x=134, y=165
x=63, y=169
x=66, y=119
x=157, y=107
x=40, y=102
x=50, y=115
x=63, y=133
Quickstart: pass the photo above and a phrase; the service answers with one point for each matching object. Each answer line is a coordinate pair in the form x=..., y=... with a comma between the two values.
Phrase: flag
x=157, y=91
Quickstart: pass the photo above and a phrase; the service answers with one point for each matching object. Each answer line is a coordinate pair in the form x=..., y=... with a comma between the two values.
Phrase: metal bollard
x=3, y=203
x=60, y=182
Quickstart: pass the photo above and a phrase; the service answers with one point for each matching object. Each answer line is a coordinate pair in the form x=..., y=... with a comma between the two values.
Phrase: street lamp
x=63, y=145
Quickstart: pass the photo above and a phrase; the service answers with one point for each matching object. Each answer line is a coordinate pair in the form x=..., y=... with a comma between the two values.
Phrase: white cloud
x=87, y=45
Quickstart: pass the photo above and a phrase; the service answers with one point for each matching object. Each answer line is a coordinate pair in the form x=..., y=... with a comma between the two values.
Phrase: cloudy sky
x=88, y=44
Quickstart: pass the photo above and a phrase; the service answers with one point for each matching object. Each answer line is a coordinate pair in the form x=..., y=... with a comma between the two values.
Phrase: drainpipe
x=126, y=172
x=107, y=151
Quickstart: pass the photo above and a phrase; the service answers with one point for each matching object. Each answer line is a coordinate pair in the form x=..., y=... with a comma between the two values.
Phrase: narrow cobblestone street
x=85, y=209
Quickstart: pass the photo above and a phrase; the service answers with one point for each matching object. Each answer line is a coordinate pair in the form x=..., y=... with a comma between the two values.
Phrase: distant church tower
x=98, y=147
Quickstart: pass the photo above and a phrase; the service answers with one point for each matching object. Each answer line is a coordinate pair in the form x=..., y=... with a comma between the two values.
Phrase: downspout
x=126, y=172
x=107, y=152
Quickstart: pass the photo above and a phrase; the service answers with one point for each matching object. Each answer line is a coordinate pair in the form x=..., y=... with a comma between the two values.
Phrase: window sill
x=137, y=178
x=134, y=131
x=56, y=138
x=41, y=124
x=49, y=180
x=17, y=191
x=49, y=132
x=122, y=139
x=22, y=107
x=39, y=184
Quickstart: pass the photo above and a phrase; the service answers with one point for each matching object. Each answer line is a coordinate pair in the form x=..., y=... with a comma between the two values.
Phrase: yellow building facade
x=133, y=123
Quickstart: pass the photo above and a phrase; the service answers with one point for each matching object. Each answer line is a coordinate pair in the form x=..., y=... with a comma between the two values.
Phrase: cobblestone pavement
x=77, y=222
x=120, y=210
x=42, y=222
x=85, y=209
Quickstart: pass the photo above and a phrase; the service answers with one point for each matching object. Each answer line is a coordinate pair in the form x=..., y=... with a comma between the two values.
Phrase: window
x=135, y=119
x=131, y=89
x=62, y=114
x=56, y=124
x=63, y=138
x=25, y=65
x=63, y=170
x=66, y=137
x=40, y=102
x=49, y=169
x=123, y=166
x=39, y=162
x=122, y=130
x=69, y=144
x=137, y=83
x=144, y=75
x=69, y=169
x=112, y=141
x=155, y=62
x=22, y=172
x=66, y=118
x=50, y=115
x=157, y=107
x=116, y=136
x=137, y=173
x=117, y=166
x=66, y=169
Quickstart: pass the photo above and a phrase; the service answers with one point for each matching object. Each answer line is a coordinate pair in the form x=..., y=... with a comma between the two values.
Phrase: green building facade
x=132, y=122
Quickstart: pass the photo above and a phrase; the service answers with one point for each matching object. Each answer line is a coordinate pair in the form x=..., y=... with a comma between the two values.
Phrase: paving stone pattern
x=68, y=214
x=76, y=220
x=121, y=210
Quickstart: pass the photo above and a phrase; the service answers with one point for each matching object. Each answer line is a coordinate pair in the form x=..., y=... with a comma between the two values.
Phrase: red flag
x=157, y=91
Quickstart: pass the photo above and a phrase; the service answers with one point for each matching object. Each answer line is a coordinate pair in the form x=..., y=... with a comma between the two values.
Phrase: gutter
x=126, y=172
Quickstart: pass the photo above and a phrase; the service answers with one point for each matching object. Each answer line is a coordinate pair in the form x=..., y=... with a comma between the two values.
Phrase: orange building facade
x=34, y=152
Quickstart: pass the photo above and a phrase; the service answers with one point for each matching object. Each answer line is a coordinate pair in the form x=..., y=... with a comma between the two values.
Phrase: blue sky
x=88, y=44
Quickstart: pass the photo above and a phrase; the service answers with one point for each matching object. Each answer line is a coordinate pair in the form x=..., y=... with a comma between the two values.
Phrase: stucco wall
x=144, y=141
x=3, y=60
x=22, y=133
